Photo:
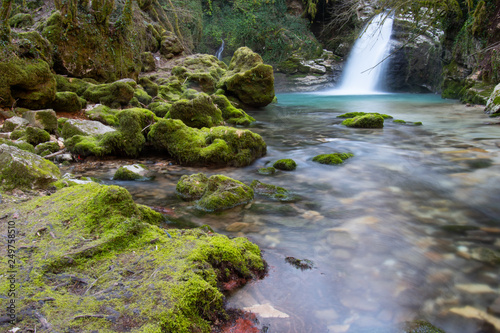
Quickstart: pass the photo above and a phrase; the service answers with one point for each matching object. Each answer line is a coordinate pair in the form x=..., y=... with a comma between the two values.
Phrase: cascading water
x=218, y=54
x=364, y=67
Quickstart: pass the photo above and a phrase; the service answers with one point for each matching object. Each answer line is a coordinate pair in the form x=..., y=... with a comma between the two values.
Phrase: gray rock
x=24, y=170
x=493, y=103
x=12, y=123
x=44, y=119
x=84, y=127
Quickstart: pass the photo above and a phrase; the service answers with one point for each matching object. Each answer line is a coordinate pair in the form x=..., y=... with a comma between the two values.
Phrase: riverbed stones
x=24, y=170
x=74, y=127
x=494, y=308
x=486, y=255
x=272, y=191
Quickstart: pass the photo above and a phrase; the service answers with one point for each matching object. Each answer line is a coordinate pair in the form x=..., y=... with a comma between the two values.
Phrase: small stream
x=397, y=232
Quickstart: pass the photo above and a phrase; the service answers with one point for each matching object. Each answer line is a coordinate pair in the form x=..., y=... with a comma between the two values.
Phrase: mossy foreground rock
x=24, y=170
x=249, y=79
x=216, y=146
x=198, y=112
x=93, y=260
x=202, y=70
x=191, y=187
x=222, y=193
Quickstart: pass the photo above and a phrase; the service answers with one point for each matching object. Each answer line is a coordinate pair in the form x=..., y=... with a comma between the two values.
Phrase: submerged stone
x=358, y=114
x=267, y=171
x=272, y=191
x=223, y=193
x=286, y=164
x=332, y=159
x=24, y=170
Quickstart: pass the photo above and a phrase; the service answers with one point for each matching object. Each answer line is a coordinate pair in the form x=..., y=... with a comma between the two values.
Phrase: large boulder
x=44, y=119
x=198, y=112
x=116, y=94
x=217, y=146
x=26, y=83
x=493, y=104
x=84, y=127
x=230, y=113
x=93, y=247
x=24, y=170
x=249, y=79
x=200, y=70
x=222, y=193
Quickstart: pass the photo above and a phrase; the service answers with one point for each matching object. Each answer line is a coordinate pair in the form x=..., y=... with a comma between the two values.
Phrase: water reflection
x=400, y=231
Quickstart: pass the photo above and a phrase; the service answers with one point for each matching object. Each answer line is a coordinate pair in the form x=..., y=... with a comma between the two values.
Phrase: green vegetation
x=366, y=121
x=332, y=159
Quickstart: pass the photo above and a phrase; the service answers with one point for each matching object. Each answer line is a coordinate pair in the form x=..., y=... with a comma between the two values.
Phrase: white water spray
x=218, y=54
x=364, y=67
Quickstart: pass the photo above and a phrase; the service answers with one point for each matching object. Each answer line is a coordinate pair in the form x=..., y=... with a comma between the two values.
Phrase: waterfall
x=218, y=54
x=365, y=67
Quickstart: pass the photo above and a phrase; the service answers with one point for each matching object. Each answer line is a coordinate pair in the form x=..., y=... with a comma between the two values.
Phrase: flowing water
x=395, y=233
x=218, y=54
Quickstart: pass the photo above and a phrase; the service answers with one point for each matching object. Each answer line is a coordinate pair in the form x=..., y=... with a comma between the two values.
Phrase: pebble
x=472, y=312
x=266, y=311
x=494, y=308
x=474, y=288
x=236, y=226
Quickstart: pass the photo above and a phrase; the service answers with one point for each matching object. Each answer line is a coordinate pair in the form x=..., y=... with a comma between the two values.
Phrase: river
x=398, y=232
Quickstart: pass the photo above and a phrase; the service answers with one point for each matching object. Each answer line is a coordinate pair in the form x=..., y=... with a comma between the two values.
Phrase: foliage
x=262, y=25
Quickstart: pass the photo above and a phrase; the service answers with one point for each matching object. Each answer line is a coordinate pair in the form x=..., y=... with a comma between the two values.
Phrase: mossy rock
x=198, y=113
x=230, y=113
x=44, y=119
x=200, y=70
x=366, y=121
x=35, y=135
x=67, y=101
x=493, y=103
x=32, y=45
x=160, y=109
x=75, y=85
x=358, y=114
x=223, y=193
x=272, y=191
x=13, y=123
x=249, y=79
x=82, y=232
x=116, y=94
x=103, y=114
x=18, y=134
x=21, y=20
x=191, y=187
x=83, y=146
x=142, y=96
x=24, y=170
x=170, y=45
x=131, y=172
x=84, y=127
x=267, y=171
x=171, y=91
x=286, y=164
x=148, y=63
x=149, y=86
x=216, y=146
x=332, y=159
x=46, y=148
x=28, y=82
x=18, y=144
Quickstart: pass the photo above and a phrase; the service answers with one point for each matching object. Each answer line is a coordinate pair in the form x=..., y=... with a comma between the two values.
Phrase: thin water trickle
x=218, y=54
x=395, y=233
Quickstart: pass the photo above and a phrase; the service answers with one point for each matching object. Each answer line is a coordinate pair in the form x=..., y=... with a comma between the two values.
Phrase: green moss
x=366, y=121
x=358, y=114
x=142, y=96
x=272, y=191
x=125, y=174
x=149, y=86
x=18, y=133
x=420, y=326
x=164, y=282
x=230, y=113
x=114, y=94
x=36, y=135
x=86, y=146
x=21, y=145
x=267, y=171
x=66, y=101
x=286, y=164
x=75, y=85
x=332, y=159
x=399, y=121
x=47, y=148
x=171, y=92
x=104, y=114
x=200, y=70
x=160, y=109
x=199, y=112
x=209, y=146
x=223, y=193
x=45, y=119
x=191, y=187
x=21, y=20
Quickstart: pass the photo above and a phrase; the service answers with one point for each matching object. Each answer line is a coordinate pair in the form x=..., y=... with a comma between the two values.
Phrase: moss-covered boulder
x=116, y=94
x=21, y=20
x=13, y=123
x=160, y=109
x=222, y=193
x=67, y=101
x=200, y=70
x=142, y=97
x=332, y=159
x=272, y=191
x=32, y=45
x=103, y=114
x=95, y=260
x=230, y=113
x=148, y=63
x=35, y=135
x=27, y=82
x=249, y=79
x=72, y=84
x=191, y=187
x=198, y=112
x=286, y=164
x=366, y=121
x=131, y=172
x=359, y=114
x=84, y=127
x=148, y=85
x=24, y=170
x=46, y=148
x=170, y=45
x=171, y=91
x=217, y=146
x=44, y=119
x=267, y=171
x=493, y=103
x=19, y=144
